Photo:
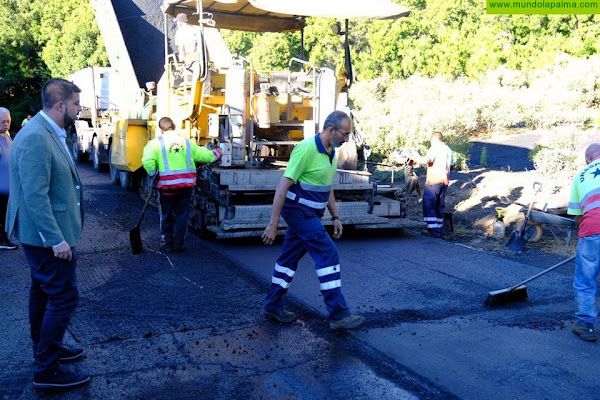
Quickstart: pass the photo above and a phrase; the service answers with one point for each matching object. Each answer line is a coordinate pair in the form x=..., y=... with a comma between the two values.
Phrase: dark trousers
x=174, y=216
x=53, y=298
x=306, y=234
x=3, y=205
x=434, y=207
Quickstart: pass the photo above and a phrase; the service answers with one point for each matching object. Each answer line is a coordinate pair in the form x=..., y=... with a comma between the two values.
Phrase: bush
x=403, y=113
x=483, y=157
x=559, y=155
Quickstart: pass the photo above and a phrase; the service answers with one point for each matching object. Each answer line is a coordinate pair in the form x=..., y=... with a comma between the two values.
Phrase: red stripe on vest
x=164, y=181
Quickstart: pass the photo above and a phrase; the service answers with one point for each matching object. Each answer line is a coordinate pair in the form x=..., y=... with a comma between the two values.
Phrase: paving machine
x=256, y=118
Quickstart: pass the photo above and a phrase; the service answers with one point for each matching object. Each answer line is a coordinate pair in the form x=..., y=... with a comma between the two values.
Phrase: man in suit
x=45, y=212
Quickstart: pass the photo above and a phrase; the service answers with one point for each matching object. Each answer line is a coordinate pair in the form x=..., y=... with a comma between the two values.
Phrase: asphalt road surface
x=189, y=326
x=506, y=152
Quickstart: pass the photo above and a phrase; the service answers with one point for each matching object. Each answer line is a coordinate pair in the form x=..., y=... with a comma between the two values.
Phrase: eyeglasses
x=346, y=134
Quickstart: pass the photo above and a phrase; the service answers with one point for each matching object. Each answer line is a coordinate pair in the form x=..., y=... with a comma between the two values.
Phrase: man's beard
x=67, y=120
x=335, y=144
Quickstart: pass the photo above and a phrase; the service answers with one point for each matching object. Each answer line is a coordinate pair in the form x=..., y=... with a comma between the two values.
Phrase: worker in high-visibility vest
x=173, y=158
x=439, y=160
x=584, y=203
x=303, y=194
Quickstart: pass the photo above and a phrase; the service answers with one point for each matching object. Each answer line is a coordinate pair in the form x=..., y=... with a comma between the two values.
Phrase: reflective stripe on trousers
x=306, y=234
x=434, y=206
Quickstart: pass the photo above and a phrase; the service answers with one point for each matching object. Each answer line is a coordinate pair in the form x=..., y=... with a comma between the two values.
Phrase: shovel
x=135, y=236
x=517, y=240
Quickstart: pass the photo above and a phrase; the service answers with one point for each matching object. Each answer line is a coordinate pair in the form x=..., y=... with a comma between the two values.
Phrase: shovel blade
x=516, y=242
x=135, y=238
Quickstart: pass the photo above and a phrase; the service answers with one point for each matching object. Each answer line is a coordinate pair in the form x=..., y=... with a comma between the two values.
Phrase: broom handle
x=542, y=273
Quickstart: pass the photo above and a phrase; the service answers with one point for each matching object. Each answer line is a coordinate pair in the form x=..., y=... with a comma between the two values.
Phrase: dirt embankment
x=506, y=181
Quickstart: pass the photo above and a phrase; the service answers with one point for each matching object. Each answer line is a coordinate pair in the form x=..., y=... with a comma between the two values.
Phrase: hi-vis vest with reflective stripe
x=176, y=179
x=312, y=196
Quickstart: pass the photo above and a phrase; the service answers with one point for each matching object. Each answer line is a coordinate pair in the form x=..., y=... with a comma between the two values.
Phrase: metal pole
x=302, y=43
x=167, y=65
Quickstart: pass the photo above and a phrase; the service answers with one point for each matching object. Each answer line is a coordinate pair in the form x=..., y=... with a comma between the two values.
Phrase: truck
x=220, y=100
x=91, y=134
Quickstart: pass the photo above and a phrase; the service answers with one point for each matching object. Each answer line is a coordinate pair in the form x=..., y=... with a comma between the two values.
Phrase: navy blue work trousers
x=434, y=207
x=174, y=215
x=305, y=233
x=53, y=297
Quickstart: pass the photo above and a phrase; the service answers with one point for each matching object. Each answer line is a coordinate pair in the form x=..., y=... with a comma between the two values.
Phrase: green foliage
x=69, y=35
x=483, y=156
x=272, y=49
x=22, y=72
x=393, y=113
x=452, y=38
x=559, y=154
x=41, y=39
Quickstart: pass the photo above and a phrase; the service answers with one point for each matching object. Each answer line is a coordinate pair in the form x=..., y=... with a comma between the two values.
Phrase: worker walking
x=439, y=161
x=305, y=190
x=173, y=158
x=585, y=205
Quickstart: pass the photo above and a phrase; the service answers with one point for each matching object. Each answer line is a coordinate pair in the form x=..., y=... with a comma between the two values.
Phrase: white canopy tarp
x=342, y=9
x=282, y=15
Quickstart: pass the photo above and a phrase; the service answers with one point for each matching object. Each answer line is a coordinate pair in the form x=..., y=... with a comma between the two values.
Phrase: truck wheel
x=114, y=172
x=78, y=155
x=96, y=155
x=126, y=179
x=198, y=217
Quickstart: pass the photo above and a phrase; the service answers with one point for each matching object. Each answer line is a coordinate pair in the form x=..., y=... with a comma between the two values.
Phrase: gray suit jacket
x=45, y=205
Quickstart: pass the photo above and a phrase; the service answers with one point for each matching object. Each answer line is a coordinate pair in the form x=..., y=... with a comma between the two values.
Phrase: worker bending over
x=173, y=158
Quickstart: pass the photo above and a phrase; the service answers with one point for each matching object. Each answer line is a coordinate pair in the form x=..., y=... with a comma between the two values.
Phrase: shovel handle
x=147, y=202
x=542, y=273
x=537, y=186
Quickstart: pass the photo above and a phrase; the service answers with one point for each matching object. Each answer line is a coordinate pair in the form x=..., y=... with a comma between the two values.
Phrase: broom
x=517, y=292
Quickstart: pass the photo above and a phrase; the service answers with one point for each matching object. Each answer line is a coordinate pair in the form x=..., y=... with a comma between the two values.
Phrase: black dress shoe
x=58, y=377
x=67, y=354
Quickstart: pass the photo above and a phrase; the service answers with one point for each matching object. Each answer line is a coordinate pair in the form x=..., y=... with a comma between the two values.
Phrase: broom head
x=503, y=296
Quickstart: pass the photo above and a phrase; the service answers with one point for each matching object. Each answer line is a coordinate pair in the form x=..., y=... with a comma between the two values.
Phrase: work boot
x=349, y=322
x=67, y=354
x=585, y=330
x=6, y=244
x=431, y=233
x=58, y=377
x=283, y=316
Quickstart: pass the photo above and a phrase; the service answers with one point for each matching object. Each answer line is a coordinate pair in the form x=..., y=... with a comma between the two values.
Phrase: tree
x=22, y=72
x=69, y=35
x=41, y=39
